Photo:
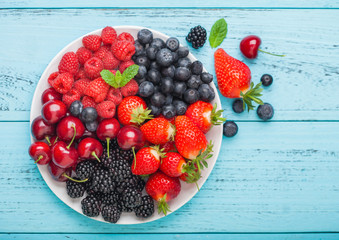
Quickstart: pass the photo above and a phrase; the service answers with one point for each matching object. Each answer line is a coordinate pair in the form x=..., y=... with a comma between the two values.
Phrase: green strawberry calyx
x=251, y=95
x=119, y=80
x=139, y=115
x=216, y=116
x=163, y=205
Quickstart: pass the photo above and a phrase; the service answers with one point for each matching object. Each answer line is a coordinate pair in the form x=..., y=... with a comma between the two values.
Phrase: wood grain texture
x=303, y=80
x=271, y=177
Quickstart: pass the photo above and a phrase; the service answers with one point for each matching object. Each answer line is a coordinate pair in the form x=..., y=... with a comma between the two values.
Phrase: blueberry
x=157, y=42
x=168, y=111
x=89, y=114
x=196, y=67
x=76, y=108
x=91, y=126
x=164, y=57
x=139, y=49
x=179, y=89
x=238, y=105
x=146, y=89
x=151, y=52
x=172, y=44
x=266, y=80
x=141, y=72
x=142, y=61
x=194, y=82
x=168, y=71
x=265, y=111
x=184, y=62
x=180, y=107
x=145, y=36
x=212, y=95
x=155, y=111
x=206, y=77
x=167, y=85
x=191, y=96
x=183, y=52
x=154, y=76
x=230, y=129
x=205, y=91
x=141, y=80
x=154, y=65
x=182, y=74
x=169, y=99
x=175, y=57
x=158, y=99
x=157, y=88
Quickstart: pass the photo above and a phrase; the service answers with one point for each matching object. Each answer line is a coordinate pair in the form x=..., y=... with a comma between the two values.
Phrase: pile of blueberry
x=87, y=115
x=168, y=80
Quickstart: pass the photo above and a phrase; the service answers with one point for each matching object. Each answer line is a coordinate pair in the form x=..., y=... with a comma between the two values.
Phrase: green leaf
x=118, y=78
x=109, y=78
x=128, y=74
x=218, y=33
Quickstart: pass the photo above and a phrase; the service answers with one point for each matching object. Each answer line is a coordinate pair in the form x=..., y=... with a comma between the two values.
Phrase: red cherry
x=40, y=152
x=64, y=155
x=108, y=129
x=53, y=111
x=58, y=173
x=65, y=130
x=50, y=94
x=42, y=130
x=130, y=136
x=90, y=148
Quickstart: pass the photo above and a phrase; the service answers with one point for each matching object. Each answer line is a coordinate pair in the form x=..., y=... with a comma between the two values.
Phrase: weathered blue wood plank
x=303, y=80
x=272, y=177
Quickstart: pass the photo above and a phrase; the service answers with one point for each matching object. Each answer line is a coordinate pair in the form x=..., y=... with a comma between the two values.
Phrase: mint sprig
x=218, y=33
x=119, y=80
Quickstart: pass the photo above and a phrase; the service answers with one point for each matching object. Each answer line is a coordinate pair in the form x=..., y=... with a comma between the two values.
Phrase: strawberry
x=147, y=161
x=162, y=189
x=106, y=109
x=158, y=131
x=88, y=102
x=63, y=82
x=69, y=63
x=92, y=42
x=97, y=89
x=171, y=120
x=93, y=67
x=108, y=35
x=83, y=55
x=234, y=79
x=130, y=89
x=204, y=115
x=114, y=95
x=81, y=85
x=172, y=164
x=168, y=146
x=133, y=110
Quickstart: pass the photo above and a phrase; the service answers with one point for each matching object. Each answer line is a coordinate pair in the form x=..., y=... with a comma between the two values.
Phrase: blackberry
x=105, y=160
x=130, y=182
x=197, y=36
x=85, y=169
x=75, y=189
x=112, y=198
x=111, y=213
x=120, y=170
x=126, y=209
x=140, y=183
x=90, y=206
x=146, y=209
x=102, y=181
x=131, y=198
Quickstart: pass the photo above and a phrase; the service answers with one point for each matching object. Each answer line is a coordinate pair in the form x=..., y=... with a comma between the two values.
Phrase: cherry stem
x=96, y=157
x=277, y=55
x=47, y=139
x=107, y=140
x=134, y=158
x=197, y=186
x=39, y=158
x=74, y=180
x=55, y=140
x=75, y=132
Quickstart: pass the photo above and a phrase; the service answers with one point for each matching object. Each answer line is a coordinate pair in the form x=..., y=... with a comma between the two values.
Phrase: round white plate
x=59, y=189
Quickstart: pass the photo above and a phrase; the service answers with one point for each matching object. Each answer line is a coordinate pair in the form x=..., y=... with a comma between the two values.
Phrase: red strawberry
x=92, y=42
x=80, y=74
x=108, y=35
x=81, y=85
x=168, y=146
x=126, y=37
x=71, y=96
x=114, y=95
x=172, y=164
x=123, y=50
x=52, y=77
x=171, y=120
x=106, y=109
x=109, y=61
x=158, y=131
x=125, y=65
x=88, y=102
x=234, y=79
x=133, y=110
x=204, y=115
x=147, y=161
x=191, y=174
x=93, y=67
x=163, y=188
x=83, y=55
x=63, y=82
x=97, y=89
x=69, y=63
x=130, y=89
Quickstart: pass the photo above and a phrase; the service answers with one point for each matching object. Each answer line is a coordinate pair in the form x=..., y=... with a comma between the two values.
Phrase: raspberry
x=106, y=109
x=110, y=62
x=80, y=74
x=126, y=37
x=123, y=50
x=97, y=89
x=83, y=55
x=88, y=102
x=101, y=52
x=114, y=95
x=63, y=82
x=52, y=77
x=81, y=85
x=125, y=65
x=108, y=35
x=92, y=42
x=69, y=63
x=93, y=67
x=71, y=96
x=130, y=89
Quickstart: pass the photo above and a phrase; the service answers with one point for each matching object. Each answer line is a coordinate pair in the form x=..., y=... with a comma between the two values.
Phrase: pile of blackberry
x=111, y=188
x=168, y=80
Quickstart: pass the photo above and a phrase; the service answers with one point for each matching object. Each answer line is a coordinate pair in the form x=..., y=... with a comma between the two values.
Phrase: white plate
x=59, y=189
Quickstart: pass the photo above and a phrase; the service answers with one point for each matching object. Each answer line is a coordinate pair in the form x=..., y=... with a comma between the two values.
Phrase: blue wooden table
x=274, y=180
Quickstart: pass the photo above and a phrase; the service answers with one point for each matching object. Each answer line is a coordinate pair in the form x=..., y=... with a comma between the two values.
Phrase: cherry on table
x=53, y=111
x=90, y=148
x=108, y=129
x=42, y=130
x=40, y=152
x=50, y=94
x=129, y=137
x=65, y=128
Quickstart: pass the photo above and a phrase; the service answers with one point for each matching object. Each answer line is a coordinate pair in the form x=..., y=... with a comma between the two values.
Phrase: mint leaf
x=218, y=33
x=109, y=78
x=118, y=78
x=128, y=74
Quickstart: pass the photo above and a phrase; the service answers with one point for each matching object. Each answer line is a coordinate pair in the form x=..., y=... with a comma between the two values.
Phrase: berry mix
x=124, y=122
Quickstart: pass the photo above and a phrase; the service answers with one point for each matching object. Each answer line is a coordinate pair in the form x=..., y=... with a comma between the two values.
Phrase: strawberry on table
x=234, y=79
x=147, y=160
x=158, y=131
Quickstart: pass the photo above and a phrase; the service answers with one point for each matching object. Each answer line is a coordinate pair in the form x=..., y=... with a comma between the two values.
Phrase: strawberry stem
x=163, y=205
x=75, y=132
x=39, y=158
x=252, y=94
x=96, y=157
x=273, y=54
x=107, y=140
x=216, y=116
x=74, y=180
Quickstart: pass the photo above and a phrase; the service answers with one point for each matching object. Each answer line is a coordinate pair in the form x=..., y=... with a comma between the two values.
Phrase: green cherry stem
x=39, y=158
x=74, y=180
x=47, y=139
x=273, y=54
x=107, y=140
x=134, y=158
x=75, y=132
x=96, y=157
